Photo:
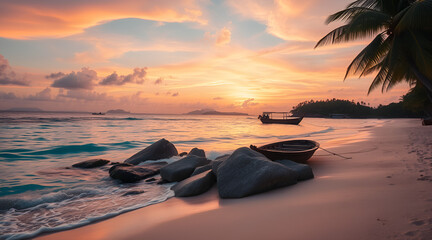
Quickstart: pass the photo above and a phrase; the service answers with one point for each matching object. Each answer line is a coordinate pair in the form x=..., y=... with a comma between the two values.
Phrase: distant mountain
x=117, y=111
x=214, y=112
x=18, y=109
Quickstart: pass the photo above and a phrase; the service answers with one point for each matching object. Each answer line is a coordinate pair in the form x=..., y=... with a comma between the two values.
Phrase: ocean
x=39, y=192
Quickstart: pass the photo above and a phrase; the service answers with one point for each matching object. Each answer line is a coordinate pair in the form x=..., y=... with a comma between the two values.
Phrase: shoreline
x=382, y=192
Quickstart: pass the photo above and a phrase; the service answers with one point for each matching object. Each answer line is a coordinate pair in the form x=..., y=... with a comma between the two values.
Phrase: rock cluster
x=243, y=173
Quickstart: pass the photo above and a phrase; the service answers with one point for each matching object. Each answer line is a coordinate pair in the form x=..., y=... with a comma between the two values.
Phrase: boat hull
x=294, y=120
x=295, y=150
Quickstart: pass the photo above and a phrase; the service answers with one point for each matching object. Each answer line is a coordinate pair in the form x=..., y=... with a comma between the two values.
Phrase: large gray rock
x=215, y=163
x=197, y=152
x=130, y=173
x=247, y=172
x=202, y=169
x=195, y=185
x=158, y=150
x=183, y=168
x=92, y=163
x=304, y=171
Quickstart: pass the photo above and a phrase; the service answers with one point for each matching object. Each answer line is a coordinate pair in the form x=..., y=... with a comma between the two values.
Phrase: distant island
x=338, y=108
x=24, y=109
x=214, y=112
x=117, y=111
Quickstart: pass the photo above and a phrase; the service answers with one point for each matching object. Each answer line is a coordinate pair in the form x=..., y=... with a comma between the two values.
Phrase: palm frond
x=418, y=16
x=347, y=14
x=363, y=24
x=381, y=53
x=369, y=56
x=331, y=36
x=379, y=78
x=371, y=69
x=365, y=3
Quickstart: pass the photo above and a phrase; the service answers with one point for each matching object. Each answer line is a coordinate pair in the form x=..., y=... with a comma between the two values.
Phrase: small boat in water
x=295, y=150
x=267, y=117
x=99, y=113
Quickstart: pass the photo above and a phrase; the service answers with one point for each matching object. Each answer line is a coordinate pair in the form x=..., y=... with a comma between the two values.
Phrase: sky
x=168, y=56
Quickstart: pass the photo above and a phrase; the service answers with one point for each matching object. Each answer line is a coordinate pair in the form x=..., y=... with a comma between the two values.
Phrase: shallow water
x=38, y=193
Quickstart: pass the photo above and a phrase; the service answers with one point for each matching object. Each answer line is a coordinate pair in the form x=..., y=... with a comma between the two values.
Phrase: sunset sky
x=174, y=56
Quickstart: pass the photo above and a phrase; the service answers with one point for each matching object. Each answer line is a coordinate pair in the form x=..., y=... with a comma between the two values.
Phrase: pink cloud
x=223, y=37
x=50, y=18
x=290, y=19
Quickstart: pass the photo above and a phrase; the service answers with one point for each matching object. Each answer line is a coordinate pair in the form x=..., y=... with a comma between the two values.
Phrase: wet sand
x=383, y=192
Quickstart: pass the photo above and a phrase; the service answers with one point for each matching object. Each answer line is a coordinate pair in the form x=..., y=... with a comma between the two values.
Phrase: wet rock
x=247, y=172
x=91, y=163
x=202, y=169
x=182, y=168
x=133, y=192
x=161, y=181
x=183, y=154
x=131, y=173
x=195, y=185
x=151, y=180
x=197, y=152
x=304, y=171
x=158, y=150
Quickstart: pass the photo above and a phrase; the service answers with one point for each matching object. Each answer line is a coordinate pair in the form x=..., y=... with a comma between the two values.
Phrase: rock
x=304, y=171
x=218, y=161
x=223, y=157
x=202, y=169
x=131, y=173
x=151, y=179
x=195, y=185
x=182, y=154
x=197, y=152
x=183, y=168
x=133, y=192
x=158, y=150
x=247, y=172
x=91, y=163
x=161, y=181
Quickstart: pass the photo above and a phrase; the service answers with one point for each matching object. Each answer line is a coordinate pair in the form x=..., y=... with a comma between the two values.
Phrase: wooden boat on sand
x=267, y=117
x=295, y=150
x=427, y=121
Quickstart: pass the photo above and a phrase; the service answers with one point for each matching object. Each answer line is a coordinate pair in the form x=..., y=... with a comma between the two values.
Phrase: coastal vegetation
x=347, y=108
x=401, y=49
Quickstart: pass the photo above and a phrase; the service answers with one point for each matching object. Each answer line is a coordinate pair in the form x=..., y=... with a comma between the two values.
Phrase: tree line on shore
x=347, y=108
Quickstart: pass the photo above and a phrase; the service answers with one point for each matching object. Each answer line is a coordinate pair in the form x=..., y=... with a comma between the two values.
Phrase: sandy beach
x=383, y=192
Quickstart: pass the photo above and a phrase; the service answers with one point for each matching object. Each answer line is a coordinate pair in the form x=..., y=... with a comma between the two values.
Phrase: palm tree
x=402, y=47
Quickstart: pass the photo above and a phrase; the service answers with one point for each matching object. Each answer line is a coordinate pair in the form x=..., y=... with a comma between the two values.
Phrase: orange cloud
x=22, y=19
x=224, y=36
x=290, y=19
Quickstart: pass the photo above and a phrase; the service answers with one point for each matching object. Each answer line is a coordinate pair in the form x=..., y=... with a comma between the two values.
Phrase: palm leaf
x=380, y=77
x=417, y=17
x=363, y=24
x=365, y=3
x=370, y=55
x=347, y=14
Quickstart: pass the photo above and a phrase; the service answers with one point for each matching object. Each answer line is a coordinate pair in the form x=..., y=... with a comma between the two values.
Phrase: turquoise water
x=38, y=193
